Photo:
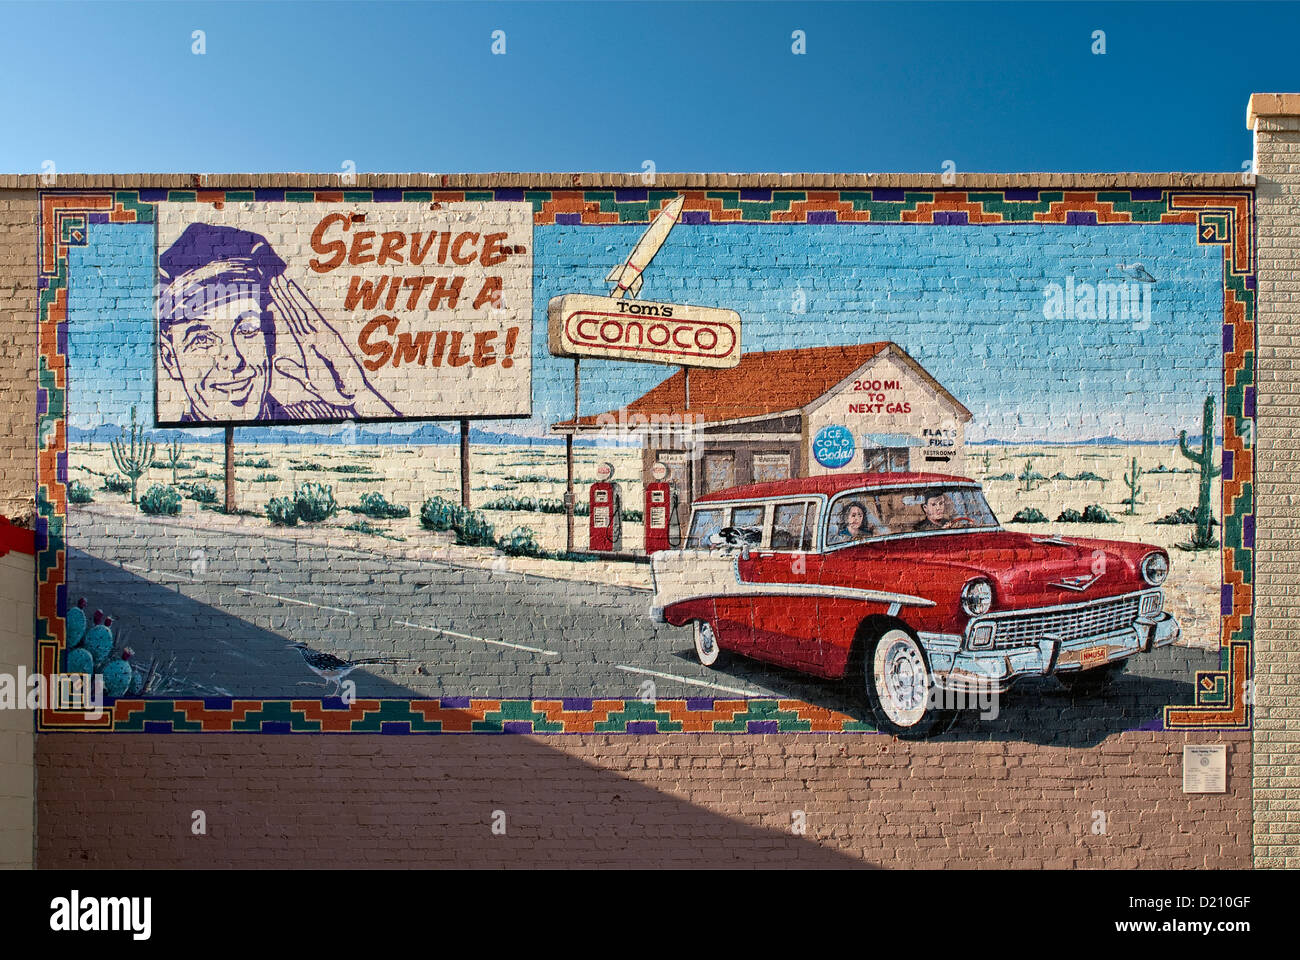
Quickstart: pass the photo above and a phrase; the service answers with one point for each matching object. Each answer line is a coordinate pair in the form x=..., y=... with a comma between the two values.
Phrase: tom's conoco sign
x=588, y=326
x=291, y=313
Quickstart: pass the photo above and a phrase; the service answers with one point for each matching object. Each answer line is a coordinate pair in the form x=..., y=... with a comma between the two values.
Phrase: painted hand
x=329, y=371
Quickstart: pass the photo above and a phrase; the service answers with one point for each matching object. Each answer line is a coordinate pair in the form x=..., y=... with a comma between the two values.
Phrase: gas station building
x=790, y=413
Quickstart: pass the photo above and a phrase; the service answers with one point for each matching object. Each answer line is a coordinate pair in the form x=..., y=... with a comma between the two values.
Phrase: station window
x=884, y=460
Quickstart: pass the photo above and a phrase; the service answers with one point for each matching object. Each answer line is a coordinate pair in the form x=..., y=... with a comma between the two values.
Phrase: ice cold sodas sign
x=290, y=313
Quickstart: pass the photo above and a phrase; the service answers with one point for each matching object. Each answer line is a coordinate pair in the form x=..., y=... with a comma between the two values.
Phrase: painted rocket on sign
x=627, y=277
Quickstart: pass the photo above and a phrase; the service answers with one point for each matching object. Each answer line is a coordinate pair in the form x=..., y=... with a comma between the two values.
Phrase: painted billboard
x=279, y=314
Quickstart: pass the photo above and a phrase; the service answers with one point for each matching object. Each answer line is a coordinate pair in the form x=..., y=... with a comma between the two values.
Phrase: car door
x=784, y=620
x=734, y=603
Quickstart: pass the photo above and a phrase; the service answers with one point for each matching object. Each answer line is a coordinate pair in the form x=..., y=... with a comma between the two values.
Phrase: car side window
x=808, y=539
x=749, y=521
x=704, y=526
x=788, y=526
x=855, y=517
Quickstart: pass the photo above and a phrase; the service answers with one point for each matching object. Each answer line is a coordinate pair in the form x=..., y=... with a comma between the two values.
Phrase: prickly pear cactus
x=80, y=661
x=117, y=678
x=99, y=639
x=76, y=623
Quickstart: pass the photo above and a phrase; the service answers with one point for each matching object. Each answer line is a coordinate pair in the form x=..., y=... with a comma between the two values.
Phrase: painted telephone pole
x=230, y=469
x=568, y=461
x=464, y=464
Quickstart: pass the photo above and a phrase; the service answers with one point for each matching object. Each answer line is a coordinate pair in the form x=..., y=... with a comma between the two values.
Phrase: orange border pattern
x=1224, y=218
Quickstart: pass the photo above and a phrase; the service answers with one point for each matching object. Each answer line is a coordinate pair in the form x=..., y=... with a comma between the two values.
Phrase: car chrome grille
x=1097, y=619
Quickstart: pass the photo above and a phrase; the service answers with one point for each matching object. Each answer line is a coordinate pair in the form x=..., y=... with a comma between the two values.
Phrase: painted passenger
x=935, y=514
x=223, y=304
x=856, y=522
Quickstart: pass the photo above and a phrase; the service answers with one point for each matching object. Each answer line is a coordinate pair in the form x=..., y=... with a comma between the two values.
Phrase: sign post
x=619, y=328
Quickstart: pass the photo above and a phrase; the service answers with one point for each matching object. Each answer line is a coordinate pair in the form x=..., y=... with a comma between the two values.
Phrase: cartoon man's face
x=935, y=507
x=219, y=354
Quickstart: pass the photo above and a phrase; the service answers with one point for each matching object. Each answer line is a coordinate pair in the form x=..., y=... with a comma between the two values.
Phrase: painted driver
x=223, y=302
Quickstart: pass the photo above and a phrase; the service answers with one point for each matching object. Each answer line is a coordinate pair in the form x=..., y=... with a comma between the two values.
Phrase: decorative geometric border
x=1222, y=217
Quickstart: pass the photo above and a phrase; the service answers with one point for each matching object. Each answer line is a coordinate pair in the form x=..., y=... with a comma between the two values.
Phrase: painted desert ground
x=1047, y=478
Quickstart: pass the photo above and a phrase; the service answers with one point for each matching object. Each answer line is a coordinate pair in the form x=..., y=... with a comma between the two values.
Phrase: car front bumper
x=962, y=670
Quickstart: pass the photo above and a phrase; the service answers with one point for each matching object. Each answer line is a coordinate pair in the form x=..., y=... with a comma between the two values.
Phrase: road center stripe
x=697, y=683
x=466, y=636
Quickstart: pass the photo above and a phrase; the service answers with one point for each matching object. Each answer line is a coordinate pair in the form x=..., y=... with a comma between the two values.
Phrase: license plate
x=1093, y=656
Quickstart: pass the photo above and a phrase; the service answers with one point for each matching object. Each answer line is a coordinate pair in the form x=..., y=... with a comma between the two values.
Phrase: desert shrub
x=312, y=467
x=436, y=513
x=472, y=528
x=315, y=502
x=376, y=505
x=536, y=478
x=203, y=493
x=1029, y=515
x=282, y=512
x=1061, y=475
x=265, y=478
x=1088, y=475
x=117, y=484
x=352, y=468
x=521, y=542
x=261, y=464
x=78, y=492
x=1002, y=476
x=1183, y=515
x=160, y=501
x=1095, y=513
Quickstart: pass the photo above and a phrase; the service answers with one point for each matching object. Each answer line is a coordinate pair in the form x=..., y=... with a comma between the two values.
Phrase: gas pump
x=605, y=521
x=660, y=511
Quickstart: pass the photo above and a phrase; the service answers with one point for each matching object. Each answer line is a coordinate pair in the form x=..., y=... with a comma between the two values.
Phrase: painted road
x=216, y=611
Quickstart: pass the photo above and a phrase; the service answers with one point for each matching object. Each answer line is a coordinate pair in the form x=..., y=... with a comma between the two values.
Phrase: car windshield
x=871, y=514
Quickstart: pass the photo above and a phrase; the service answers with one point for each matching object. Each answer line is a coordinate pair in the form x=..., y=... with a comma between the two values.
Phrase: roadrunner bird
x=1135, y=271
x=332, y=669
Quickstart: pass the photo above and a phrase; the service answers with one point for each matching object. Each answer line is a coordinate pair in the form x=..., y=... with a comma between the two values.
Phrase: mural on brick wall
x=919, y=462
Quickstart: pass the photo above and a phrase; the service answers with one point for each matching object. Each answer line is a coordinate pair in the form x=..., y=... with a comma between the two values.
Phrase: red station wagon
x=907, y=583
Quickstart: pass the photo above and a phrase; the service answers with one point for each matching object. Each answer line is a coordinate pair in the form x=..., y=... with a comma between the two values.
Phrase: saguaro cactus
x=132, y=461
x=1131, y=479
x=1204, y=535
x=173, y=459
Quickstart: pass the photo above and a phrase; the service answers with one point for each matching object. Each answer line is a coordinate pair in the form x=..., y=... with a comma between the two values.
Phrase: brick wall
x=18, y=218
x=1277, y=653
x=640, y=799
x=645, y=801
x=17, y=741
x=17, y=486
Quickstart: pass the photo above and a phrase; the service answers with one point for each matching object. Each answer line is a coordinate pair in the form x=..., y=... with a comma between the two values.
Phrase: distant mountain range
x=431, y=433
x=424, y=434
x=1093, y=442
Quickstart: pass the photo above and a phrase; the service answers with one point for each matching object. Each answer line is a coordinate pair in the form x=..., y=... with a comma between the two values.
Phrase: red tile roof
x=760, y=385
x=828, y=483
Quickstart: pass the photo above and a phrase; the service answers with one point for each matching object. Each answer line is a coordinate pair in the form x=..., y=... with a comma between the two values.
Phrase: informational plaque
x=1205, y=768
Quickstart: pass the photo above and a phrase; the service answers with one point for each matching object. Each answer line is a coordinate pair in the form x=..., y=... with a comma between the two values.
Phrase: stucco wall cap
x=1271, y=105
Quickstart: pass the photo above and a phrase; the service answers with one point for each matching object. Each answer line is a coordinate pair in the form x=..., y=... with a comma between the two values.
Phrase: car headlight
x=1155, y=568
x=977, y=597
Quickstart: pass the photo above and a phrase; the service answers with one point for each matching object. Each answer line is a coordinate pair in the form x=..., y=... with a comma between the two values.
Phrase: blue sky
x=966, y=302
x=607, y=86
